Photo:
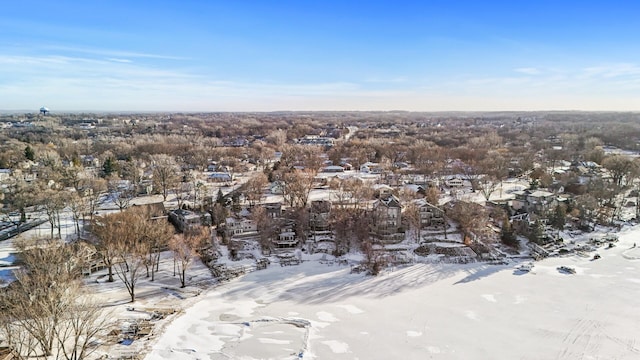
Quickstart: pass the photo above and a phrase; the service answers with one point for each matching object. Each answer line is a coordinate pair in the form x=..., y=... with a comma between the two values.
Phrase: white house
x=333, y=169
x=454, y=182
x=186, y=220
x=370, y=167
x=239, y=227
x=220, y=177
x=537, y=201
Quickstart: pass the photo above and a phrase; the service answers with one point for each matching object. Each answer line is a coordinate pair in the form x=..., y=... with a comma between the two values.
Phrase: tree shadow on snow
x=480, y=272
x=306, y=285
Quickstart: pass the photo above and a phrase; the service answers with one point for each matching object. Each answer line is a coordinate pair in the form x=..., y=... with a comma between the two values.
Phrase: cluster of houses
x=387, y=211
x=316, y=140
x=389, y=223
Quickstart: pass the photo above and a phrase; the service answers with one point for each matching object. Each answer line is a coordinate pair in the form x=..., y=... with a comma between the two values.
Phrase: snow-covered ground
x=319, y=310
x=425, y=311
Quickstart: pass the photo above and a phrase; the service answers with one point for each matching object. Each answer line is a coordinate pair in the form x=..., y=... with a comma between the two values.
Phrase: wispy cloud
x=112, y=53
x=62, y=81
x=129, y=83
x=611, y=70
x=120, y=60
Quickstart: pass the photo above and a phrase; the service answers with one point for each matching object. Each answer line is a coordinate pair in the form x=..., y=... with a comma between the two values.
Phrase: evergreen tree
x=29, y=153
x=220, y=197
x=109, y=167
x=558, y=217
x=508, y=236
x=536, y=232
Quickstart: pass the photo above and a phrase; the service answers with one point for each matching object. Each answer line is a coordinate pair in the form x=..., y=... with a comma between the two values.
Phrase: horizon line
x=24, y=111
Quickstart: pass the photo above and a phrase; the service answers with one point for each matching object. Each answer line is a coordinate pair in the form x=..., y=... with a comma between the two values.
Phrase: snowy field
x=474, y=311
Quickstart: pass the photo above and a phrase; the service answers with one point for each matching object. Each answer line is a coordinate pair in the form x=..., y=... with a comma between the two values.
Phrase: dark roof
x=153, y=209
x=320, y=206
x=390, y=201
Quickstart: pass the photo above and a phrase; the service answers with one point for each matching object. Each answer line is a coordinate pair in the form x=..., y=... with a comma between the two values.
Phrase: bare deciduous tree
x=53, y=202
x=412, y=215
x=254, y=188
x=185, y=248
x=621, y=167
x=267, y=227
x=156, y=234
x=109, y=231
x=121, y=193
x=297, y=186
x=91, y=191
x=130, y=268
x=45, y=312
x=472, y=219
x=165, y=173
x=78, y=207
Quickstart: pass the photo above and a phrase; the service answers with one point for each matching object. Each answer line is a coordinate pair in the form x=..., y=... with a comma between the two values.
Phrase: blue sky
x=319, y=55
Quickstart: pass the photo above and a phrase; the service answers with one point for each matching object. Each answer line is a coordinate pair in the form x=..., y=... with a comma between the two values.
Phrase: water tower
x=44, y=110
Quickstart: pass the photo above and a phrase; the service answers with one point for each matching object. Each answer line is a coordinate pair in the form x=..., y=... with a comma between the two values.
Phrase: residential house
x=28, y=174
x=391, y=179
x=454, y=182
x=422, y=180
x=372, y=168
x=345, y=165
x=333, y=169
x=286, y=238
x=220, y=177
x=534, y=201
x=387, y=219
x=319, y=212
x=273, y=210
x=430, y=215
x=417, y=189
x=401, y=165
x=382, y=190
x=316, y=140
x=240, y=227
x=186, y=220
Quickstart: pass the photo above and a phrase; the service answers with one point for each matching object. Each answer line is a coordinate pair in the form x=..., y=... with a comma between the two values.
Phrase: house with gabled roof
x=220, y=177
x=430, y=215
x=387, y=219
x=319, y=211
